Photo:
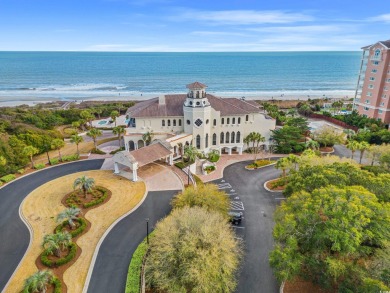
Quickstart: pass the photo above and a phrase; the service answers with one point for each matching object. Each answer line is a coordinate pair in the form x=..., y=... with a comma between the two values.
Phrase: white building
x=196, y=118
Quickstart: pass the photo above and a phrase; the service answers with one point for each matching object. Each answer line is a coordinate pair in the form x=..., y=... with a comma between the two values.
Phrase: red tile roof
x=196, y=85
x=173, y=107
x=150, y=153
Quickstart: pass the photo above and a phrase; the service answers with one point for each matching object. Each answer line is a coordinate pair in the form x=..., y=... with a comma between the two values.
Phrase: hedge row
x=59, y=262
x=8, y=178
x=80, y=229
x=39, y=166
x=74, y=201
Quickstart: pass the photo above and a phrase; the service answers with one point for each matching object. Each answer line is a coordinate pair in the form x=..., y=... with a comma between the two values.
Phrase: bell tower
x=197, y=115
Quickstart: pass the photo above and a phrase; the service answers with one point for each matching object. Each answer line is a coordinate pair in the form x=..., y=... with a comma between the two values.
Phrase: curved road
x=14, y=234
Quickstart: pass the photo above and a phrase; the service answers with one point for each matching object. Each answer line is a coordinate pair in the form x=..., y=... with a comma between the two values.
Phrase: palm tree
x=38, y=282
x=69, y=215
x=114, y=114
x=312, y=144
x=94, y=133
x=77, y=139
x=258, y=138
x=54, y=243
x=30, y=151
x=57, y=144
x=85, y=184
x=362, y=147
x=353, y=145
x=191, y=153
x=119, y=131
x=283, y=164
x=350, y=133
x=98, y=111
x=180, y=146
x=148, y=137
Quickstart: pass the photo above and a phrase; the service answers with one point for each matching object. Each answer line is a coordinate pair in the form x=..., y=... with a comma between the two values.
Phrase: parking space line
x=224, y=186
x=237, y=205
x=237, y=227
x=280, y=198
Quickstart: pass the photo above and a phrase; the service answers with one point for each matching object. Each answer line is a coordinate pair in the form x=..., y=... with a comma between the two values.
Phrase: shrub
x=118, y=150
x=180, y=165
x=375, y=169
x=98, y=200
x=21, y=171
x=70, y=158
x=280, y=182
x=134, y=273
x=61, y=261
x=213, y=157
x=261, y=163
x=57, y=285
x=39, y=166
x=8, y=178
x=209, y=169
x=80, y=229
x=54, y=161
x=98, y=152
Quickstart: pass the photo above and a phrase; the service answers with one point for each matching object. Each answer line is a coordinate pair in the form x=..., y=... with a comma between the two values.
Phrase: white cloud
x=298, y=29
x=242, y=17
x=217, y=33
x=382, y=18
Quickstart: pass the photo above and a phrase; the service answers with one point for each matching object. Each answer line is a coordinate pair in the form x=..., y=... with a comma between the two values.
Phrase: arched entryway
x=141, y=143
x=131, y=145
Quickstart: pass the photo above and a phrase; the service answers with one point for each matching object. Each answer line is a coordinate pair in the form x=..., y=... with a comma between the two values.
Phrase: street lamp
x=147, y=230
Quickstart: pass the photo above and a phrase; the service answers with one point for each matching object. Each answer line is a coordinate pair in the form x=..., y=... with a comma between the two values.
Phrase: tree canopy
x=193, y=250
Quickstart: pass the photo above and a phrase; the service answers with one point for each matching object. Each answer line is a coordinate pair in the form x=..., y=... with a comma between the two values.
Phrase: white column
x=126, y=144
x=229, y=151
x=135, y=145
x=116, y=168
x=240, y=150
x=171, y=159
x=135, y=177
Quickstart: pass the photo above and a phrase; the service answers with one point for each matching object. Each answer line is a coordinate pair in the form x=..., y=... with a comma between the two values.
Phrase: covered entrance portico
x=141, y=157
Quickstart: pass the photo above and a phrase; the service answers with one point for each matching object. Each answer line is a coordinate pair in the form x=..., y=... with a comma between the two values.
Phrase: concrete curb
x=266, y=188
x=281, y=290
x=95, y=254
x=259, y=167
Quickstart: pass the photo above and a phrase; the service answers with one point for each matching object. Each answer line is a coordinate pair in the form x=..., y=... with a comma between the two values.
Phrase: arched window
x=234, y=120
x=163, y=122
x=222, y=138
x=227, y=120
x=232, y=137
x=223, y=121
x=207, y=121
x=207, y=141
x=174, y=122
x=179, y=122
x=198, y=141
x=247, y=118
x=227, y=137
x=239, y=120
x=238, y=138
x=188, y=122
x=169, y=122
x=377, y=52
x=215, y=122
x=197, y=94
x=214, y=139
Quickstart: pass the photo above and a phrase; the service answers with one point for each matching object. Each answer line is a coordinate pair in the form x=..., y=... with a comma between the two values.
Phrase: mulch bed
x=301, y=286
x=59, y=271
x=83, y=200
x=279, y=188
x=326, y=149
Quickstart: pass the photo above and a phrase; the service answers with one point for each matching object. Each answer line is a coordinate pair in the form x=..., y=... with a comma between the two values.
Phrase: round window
x=191, y=103
x=188, y=122
x=204, y=102
x=197, y=103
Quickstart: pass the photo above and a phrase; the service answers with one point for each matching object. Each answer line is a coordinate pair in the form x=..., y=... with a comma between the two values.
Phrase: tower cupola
x=196, y=96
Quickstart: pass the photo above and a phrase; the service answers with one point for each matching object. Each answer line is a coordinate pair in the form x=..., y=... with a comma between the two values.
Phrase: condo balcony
x=376, y=57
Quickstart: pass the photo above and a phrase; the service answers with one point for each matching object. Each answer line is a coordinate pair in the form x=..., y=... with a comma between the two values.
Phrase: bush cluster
x=57, y=285
x=117, y=150
x=133, y=275
x=99, y=195
x=80, y=229
x=61, y=261
x=259, y=163
x=280, y=182
x=21, y=171
x=209, y=169
x=39, y=166
x=213, y=158
x=54, y=161
x=98, y=152
x=8, y=178
x=70, y=158
x=101, y=198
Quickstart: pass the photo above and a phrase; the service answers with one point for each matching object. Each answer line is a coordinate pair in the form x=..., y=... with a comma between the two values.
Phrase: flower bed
x=278, y=184
x=82, y=225
x=77, y=199
x=258, y=164
x=72, y=249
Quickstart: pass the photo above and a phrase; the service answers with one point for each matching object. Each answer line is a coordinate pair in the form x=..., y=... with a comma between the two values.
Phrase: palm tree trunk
x=119, y=140
x=352, y=153
x=78, y=153
x=85, y=192
x=94, y=142
x=284, y=172
x=57, y=252
x=48, y=158
x=361, y=156
x=59, y=153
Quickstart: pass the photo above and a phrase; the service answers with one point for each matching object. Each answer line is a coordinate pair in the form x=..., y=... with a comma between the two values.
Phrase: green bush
x=261, y=163
x=213, y=157
x=57, y=285
x=70, y=158
x=98, y=200
x=80, y=229
x=98, y=152
x=180, y=165
x=8, y=178
x=21, y=171
x=197, y=179
x=252, y=166
x=118, y=150
x=133, y=281
x=61, y=261
x=280, y=182
x=375, y=169
x=39, y=166
x=209, y=169
x=54, y=161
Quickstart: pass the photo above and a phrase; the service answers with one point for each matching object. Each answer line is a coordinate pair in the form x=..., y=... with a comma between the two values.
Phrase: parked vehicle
x=235, y=217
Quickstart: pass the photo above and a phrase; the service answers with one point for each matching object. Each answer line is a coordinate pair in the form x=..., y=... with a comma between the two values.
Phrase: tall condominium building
x=373, y=87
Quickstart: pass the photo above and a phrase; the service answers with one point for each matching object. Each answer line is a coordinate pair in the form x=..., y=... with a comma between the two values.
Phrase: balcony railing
x=376, y=58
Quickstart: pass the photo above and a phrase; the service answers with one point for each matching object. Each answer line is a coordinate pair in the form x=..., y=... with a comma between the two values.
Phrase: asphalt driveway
x=14, y=234
x=110, y=271
x=257, y=205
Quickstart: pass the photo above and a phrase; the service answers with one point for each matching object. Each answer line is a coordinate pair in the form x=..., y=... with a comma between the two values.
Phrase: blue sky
x=198, y=25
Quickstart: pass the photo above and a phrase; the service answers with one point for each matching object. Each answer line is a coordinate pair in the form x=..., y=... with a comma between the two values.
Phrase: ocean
x=41, y=76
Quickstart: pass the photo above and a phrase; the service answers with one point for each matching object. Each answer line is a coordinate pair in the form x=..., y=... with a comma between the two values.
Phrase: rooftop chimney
x=161, y=100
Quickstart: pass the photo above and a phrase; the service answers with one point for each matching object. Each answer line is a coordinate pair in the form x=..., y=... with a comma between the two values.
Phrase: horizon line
x=90, y=51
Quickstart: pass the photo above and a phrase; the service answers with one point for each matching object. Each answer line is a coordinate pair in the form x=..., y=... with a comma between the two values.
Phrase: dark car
x=235, y=217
